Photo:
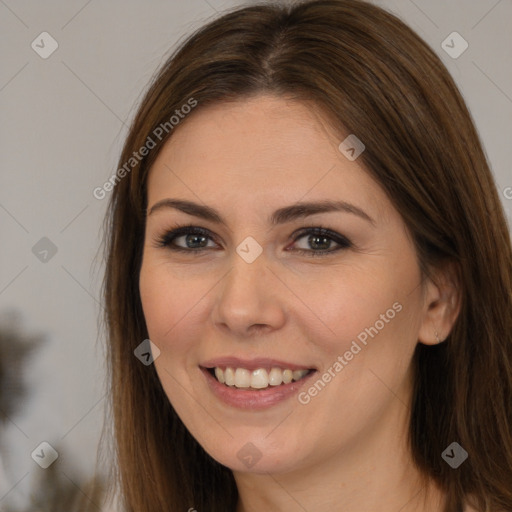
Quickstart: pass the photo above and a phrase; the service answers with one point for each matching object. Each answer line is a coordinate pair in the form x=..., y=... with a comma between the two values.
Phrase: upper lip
x=253, y=364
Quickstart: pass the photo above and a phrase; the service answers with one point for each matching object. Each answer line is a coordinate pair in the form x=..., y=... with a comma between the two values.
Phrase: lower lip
x=252, y=399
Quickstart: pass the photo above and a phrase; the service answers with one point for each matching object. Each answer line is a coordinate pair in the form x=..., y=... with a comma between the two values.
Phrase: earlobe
x=441, y=306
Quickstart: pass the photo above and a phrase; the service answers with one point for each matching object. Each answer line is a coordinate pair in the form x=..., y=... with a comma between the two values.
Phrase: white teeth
x=242, y=378
x=220, y=375
x=287, y=376
x=257, y=379
x=229, y=376
x=275, y=377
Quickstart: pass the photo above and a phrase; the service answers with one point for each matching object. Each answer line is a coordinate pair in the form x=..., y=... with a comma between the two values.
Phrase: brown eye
x=319, y=241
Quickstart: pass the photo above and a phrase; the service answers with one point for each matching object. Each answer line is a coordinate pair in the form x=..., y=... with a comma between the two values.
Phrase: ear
x=442, y=301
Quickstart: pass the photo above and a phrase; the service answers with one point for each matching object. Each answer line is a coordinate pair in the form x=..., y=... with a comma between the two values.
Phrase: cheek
x=373, y=316
x=352, y=305
x=153, y=294
x=170, y=305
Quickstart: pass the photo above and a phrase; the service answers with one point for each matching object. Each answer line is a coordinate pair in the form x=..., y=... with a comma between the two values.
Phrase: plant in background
x=53, y=491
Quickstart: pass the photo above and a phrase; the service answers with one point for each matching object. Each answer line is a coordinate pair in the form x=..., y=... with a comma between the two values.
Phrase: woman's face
x=254, y=295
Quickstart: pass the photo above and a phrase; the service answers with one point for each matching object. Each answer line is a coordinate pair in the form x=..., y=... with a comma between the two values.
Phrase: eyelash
x=165, y=241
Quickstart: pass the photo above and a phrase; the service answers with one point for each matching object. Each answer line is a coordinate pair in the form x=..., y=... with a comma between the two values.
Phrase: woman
x=305, y=226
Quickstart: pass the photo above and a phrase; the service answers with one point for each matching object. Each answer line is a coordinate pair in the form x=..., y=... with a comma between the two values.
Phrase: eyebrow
x=280, y=216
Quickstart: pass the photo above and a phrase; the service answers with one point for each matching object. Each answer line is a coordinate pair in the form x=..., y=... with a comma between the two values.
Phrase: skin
x=346, y=449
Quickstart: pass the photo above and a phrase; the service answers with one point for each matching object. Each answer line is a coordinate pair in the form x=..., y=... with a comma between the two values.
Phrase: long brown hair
x=376, y=78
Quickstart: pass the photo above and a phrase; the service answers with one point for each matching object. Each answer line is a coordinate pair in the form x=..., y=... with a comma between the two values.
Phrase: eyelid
x=178, y=230
x=318, y=229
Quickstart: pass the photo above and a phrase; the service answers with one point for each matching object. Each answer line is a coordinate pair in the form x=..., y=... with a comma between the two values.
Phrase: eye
x=320, y=240
x=194, y=240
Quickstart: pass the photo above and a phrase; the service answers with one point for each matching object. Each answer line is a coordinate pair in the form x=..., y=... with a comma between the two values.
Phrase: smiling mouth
x=261, y=378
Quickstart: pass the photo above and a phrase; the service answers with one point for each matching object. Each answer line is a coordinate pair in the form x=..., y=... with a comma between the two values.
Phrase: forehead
x=269, y=149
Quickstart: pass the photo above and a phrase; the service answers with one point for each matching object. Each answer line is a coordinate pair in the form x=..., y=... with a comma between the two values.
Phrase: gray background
x=63, y=122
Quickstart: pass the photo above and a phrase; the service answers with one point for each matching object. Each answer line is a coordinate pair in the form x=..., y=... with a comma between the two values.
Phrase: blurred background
x=71, y=76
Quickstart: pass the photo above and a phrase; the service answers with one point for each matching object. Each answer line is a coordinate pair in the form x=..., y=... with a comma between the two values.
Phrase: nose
x=250, y=299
